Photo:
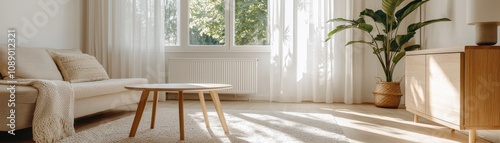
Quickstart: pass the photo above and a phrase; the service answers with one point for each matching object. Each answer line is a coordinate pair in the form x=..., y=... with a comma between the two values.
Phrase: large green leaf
x=362, y=26
x=338, y=29
x=409, y=8
x=393, y=25
x=415, y=26
x=380, y=38
x=412, y=47
x=382, y=15
x=360, y=20
x=342, y=20
x=377, y=17
x=398, y=57
x=362, y=42
x=365, y=27
x=402, y=39
x=389, y=7
x=394, y=45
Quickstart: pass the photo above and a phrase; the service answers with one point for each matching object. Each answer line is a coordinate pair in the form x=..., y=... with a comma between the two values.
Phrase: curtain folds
x=303, y=66
x=127, y=37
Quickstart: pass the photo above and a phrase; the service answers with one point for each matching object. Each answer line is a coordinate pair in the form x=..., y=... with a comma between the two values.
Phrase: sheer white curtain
x=127, y=37
x=303, y=66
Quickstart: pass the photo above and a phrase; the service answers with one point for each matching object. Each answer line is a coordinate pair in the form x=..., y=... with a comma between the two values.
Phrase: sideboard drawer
x=415, y=83
x=444, y=86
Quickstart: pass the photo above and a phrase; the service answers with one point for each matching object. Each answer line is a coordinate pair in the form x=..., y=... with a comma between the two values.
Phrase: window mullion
x=184, y=23
x=229, y=23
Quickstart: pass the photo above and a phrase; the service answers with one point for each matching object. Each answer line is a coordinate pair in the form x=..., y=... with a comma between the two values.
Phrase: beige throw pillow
x=80, y=67
x=31, y=63
x=52, y=52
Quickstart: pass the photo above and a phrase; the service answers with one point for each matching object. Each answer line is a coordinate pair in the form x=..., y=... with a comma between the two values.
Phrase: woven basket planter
x=387, y=94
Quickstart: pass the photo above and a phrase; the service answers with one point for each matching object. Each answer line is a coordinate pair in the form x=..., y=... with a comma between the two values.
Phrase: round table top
x=179, y=86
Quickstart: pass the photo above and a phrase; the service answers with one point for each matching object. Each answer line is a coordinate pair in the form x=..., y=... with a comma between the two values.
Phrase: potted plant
x=388, y=44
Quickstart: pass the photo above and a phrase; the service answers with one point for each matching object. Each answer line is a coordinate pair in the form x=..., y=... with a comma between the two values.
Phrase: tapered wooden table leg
x=153, y=115
x=203, y=108
x=138, y=113
x=181, y=115
x=218, y=108
x=472, y=136
x=180, y=88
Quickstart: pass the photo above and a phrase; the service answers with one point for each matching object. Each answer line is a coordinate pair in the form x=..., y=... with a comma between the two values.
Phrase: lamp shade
x=483, y=11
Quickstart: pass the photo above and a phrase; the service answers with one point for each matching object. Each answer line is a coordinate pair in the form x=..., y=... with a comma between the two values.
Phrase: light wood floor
x=362, y=123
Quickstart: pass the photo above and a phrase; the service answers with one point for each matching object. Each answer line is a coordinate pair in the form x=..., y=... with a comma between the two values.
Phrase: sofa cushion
x=96, y=88
x=53, y=52
x=31, y=63
x=24, y=94
x=80, y=67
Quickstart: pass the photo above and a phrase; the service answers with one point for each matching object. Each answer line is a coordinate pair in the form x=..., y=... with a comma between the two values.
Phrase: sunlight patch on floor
x=309, y=117
x=394, y=127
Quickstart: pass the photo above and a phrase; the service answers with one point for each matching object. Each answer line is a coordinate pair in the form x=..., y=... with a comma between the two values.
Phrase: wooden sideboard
x=456, y=87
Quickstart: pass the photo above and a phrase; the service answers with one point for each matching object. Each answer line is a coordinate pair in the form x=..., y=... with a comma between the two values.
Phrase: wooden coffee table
x=180, y=88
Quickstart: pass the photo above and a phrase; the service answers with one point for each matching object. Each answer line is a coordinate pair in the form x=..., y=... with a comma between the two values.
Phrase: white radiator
x=240, y=73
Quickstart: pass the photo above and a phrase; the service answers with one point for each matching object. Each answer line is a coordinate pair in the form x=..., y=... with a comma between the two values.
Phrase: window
x=171, y=22
x=223, y=24
x=207, y=24
x=250, y=22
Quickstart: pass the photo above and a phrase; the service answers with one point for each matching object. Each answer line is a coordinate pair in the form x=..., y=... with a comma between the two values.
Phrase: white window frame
x=183, y=33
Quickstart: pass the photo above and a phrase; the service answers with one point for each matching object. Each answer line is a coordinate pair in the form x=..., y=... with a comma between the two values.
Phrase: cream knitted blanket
x=53, y=117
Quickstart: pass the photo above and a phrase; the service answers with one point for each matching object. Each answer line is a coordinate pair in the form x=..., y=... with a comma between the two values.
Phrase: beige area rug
x=244, y=126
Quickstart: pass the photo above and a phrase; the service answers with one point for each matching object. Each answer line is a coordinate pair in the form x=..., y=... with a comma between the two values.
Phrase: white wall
x=451, y=34
x=43, y=23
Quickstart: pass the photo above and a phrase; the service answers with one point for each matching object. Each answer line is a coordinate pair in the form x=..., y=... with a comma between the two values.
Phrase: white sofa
x=90, y=97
